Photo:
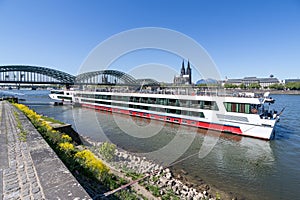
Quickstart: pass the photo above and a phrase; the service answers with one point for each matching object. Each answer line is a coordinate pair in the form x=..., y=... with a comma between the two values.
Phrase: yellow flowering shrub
x=28, y=112
x=89, y=161
x=70, y=154
x=66, y=146
x=66, y=138
x=42, y=126
x=46, y=125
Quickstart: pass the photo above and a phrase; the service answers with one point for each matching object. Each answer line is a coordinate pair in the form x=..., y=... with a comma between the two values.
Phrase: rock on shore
x=158, y=175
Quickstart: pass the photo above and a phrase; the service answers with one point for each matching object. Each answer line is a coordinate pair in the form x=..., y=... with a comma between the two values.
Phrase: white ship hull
x=208, y=112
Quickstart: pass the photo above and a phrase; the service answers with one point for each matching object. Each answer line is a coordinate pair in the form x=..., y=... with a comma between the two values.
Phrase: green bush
x=153, y=189
x=107, y=150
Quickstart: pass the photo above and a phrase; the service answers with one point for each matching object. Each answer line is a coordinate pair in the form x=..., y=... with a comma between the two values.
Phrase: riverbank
x=29, y=168
x=160, y=179
x=287, y=92
x=283, y=92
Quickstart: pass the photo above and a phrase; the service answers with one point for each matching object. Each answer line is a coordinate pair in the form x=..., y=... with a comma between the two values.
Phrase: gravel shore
x=163, y=178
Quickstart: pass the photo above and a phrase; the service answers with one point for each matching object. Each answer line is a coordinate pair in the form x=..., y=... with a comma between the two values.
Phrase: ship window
x=242, y=110
x=166, y=101
x=227, y=106
x=173, y=111
x=161, y=109
x=172, y=102
x=201, y=104
x=183, y=103
x=196, y=114
x=247, y=108
x=210, y=105
x=201, y=114
x=193, y=114
x=233, y=107
x=152, y=108
x=144, y=100
x=184, y=112
x=194, y=104
x=151, y=100
x=125, y=99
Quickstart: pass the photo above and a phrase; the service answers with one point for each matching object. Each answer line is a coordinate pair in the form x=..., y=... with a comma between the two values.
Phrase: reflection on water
x=251, y=168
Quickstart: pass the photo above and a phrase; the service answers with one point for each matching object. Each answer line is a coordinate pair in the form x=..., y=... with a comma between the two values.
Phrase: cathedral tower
x=182, y=69
x=189, y=72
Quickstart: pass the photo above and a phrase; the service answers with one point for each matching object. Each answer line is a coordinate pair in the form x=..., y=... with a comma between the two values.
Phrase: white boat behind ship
x=61, y=95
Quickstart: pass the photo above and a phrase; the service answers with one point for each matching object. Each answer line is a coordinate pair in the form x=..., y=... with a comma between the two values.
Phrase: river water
x=248, y=168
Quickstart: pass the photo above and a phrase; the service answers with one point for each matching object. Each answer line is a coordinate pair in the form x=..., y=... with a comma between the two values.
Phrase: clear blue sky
x=243, y=37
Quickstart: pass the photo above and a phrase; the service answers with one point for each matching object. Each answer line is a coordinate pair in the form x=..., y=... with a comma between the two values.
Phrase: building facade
x=263, y=82
x=291, y=80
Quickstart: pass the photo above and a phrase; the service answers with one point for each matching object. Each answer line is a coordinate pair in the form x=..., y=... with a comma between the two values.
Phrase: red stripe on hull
x=187, y=122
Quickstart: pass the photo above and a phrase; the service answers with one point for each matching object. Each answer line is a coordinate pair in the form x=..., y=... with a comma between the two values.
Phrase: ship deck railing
x=196, y=92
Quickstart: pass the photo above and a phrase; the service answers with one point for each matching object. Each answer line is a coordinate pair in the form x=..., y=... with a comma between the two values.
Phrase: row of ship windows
x=241, y=108
x=163, y=110
x=209, y=105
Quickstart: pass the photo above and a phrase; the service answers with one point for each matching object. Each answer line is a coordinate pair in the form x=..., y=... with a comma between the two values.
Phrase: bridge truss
x=34, y=75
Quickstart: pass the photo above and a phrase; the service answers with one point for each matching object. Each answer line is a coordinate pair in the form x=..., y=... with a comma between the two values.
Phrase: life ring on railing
x=253, y=110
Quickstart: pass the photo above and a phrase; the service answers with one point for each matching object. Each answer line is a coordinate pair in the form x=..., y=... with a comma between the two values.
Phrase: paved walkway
x=29, y=169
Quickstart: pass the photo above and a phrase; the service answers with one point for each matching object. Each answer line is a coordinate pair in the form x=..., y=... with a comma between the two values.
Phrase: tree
x=276, y=86
x=293, y=86
x=242, y=86
x=254, y=86
x=229, y=85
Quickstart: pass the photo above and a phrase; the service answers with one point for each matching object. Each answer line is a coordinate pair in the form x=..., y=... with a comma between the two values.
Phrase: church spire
x=182, y=69
x=189, y=72
x=188, y=65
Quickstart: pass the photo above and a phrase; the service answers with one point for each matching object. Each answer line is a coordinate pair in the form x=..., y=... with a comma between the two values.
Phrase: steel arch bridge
x=105, y=77
x=25, y=74
x=34, y=75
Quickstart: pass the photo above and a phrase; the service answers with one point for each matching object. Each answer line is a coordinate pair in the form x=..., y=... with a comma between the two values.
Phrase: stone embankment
x=160, y=177
x=29, y=168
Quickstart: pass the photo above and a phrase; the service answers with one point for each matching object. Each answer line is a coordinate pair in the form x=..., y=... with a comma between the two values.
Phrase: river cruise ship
x=245, y=114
